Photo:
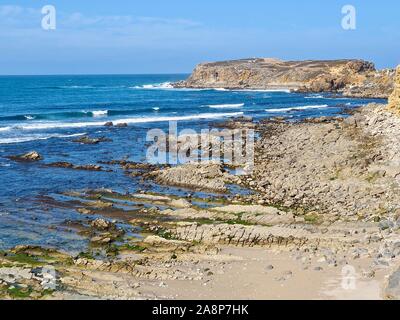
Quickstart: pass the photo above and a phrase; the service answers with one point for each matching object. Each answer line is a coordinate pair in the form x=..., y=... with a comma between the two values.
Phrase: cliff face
x=394, y=100
x=352, y=77
x=379, y=84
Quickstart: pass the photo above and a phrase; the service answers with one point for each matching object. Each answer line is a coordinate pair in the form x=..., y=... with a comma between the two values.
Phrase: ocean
x=46, y=113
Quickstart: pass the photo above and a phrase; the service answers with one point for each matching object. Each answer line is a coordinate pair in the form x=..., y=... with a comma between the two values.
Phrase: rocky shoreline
x=324, y=204
x=351, y=78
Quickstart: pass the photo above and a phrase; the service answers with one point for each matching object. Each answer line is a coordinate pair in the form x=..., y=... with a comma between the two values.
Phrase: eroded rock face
x=356, y=174
x=394, y=100
x=352, y=77
x=375, y=85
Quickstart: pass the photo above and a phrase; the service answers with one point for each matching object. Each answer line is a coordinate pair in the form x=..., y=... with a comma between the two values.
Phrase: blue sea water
x=45, y=113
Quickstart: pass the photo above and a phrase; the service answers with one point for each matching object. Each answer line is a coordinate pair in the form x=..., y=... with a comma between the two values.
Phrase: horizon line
x=94, y=74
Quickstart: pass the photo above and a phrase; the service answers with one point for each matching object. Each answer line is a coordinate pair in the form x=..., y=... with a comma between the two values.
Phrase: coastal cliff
x=394, y=100
x=356, y=78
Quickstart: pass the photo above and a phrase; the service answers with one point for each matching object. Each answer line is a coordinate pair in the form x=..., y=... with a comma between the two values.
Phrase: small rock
x=285, y=276
x=100, y=239
x=369, y=274
x=87, y=140
x=29, y=157
x=136, y=285
x=102, y=224
x=386, y=224
x=84, y=211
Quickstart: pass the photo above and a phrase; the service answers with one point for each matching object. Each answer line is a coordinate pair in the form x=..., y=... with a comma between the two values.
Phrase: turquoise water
x=45, y=113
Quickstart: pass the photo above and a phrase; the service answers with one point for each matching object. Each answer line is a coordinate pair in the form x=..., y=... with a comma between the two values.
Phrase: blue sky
x=172, y=36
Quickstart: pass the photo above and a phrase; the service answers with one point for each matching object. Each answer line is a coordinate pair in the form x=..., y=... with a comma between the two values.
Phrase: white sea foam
x=99, y=113
x=163, y=85
x=240, y=90
x=318, y=96
x=37, y=137
x=169, y=86
x=297, y=108
x=262, y=90
x=55, y=124
x=4, y=165
x=228, y=106
x=156, y=108
x=76, y=87
x=29, y=117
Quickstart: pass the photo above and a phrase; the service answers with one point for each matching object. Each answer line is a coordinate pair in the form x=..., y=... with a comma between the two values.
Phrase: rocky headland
x=355, y=78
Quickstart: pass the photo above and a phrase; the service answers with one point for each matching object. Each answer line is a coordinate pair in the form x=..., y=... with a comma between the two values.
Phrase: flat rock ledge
x=204, y=176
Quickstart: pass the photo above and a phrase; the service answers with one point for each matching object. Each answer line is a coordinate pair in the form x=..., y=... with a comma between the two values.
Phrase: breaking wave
x=228, y=106
x=55, y=124
x=163, y=85
x=99, y=113
x=37, y=137
x=297, y=108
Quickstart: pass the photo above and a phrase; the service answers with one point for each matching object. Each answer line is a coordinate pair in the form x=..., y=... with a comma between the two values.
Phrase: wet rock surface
x=68, y=165
x=32, y=156
x=88, y=140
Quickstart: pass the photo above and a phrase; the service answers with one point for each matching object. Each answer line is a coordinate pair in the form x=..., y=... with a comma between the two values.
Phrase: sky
x=172, y=36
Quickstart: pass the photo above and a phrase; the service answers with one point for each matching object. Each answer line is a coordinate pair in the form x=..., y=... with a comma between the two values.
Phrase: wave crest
x=297, y=108
x=55, y=125
x=37, y=137
x=226, y=106
x=99, y=113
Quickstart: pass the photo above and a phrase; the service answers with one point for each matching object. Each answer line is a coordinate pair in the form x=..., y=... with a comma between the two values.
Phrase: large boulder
x=392, y=290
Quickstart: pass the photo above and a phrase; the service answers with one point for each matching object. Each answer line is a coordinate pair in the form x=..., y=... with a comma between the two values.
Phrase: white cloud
x=17, y=17
x=78, y=20
x=20, y=17
x=163, y=21
x=9, y=10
